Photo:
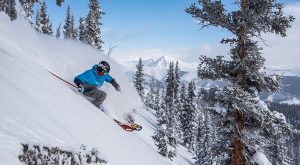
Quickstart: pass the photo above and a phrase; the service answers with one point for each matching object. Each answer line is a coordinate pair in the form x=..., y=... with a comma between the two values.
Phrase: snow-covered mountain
x=290, y=92
x=37, y=108
x=293, y=71
x=157, y=67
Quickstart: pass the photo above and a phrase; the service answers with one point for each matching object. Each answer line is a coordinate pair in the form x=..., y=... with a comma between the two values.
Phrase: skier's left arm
x=113, y=82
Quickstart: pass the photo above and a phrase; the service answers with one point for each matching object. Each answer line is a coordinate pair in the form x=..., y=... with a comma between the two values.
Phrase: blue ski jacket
x=92, y=77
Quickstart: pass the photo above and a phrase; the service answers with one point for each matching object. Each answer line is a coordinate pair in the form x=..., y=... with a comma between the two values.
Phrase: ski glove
x=116, y=85
x=80, y=88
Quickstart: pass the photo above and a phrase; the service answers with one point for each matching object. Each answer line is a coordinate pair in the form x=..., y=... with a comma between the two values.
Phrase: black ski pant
x=93, y=92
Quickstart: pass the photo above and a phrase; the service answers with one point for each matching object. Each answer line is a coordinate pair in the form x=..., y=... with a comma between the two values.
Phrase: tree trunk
x=238, y=155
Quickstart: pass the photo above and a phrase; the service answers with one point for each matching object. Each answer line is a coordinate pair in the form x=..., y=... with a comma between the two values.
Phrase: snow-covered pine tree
x=276, y=147
x=69, y=25
x=181, y=110
x=247, y=119
x=165, y=135
x=38, y=25
x=27, y=6
x=11, y=10
x=291, y=151
x=177, y=100
x=171, y=111
x=297, y=156
x=2, y=5
x=46, y=25
x=210, y=134
x=82, y=30
x=58, y=31
x=177, y=77
x=139, y=80
x=59, y=2
x=204, y=140
x=162, y=102
x=190, y=123
x=160, y=138
x=40, y=154
x=149, y=100
x=280, y=151
x=93, y=30
x=176, y=82
x=160, y=135
x=75, y=30
x=156, y=99
x=9, y=7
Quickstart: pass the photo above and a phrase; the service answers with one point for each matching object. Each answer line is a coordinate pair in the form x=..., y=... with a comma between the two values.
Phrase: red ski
x=129, y=127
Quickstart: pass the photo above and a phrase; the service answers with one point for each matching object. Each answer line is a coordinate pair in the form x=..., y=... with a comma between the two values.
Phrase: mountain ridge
x=157, y=68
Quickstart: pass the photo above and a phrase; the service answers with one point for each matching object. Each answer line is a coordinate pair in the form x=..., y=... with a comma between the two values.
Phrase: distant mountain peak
x=158, y=66
x=160, y=62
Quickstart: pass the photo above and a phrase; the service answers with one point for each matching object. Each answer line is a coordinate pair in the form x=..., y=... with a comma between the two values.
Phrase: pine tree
x=190, y=118
x=139, y=80
x=247, y=120
x=181, y=110
x=93, y=31
x=46, y=25
x=156, y=100
x=74, y=30
x=149, y=100
x=210, y=134
x=59, y=2
x=27, y=6
x=58, y=31
x=69, y=25
x=38, y=25
x=9, y=7
x=162, y=102
x=279, y=149
x=291, y=151
x=177, y=100
x=204, y=153
x=2, y=6
x=160, y=139
x=176, y=80
x=82, y=30
x=160, y=136
x=297, y=158
x=171, y=112
x=11, y=10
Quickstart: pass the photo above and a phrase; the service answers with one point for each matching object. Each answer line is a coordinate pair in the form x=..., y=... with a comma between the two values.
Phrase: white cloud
x=184, y=54
x=283, y=51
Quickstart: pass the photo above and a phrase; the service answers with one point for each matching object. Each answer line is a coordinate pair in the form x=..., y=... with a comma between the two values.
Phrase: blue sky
x=149, y=27
x=143, y=23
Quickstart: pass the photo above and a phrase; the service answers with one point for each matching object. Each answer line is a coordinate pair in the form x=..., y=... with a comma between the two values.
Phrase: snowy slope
x=38, y=108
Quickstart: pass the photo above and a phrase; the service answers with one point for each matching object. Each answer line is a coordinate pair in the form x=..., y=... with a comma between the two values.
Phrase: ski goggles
x=101, y=69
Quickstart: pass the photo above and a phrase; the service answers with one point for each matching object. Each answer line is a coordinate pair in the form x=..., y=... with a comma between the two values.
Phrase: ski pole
x=62, y=79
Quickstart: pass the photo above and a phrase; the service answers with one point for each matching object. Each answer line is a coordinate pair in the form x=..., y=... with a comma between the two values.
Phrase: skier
x=89, y=81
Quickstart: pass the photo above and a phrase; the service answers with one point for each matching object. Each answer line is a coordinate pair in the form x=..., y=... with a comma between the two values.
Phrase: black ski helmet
x=104, y=65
